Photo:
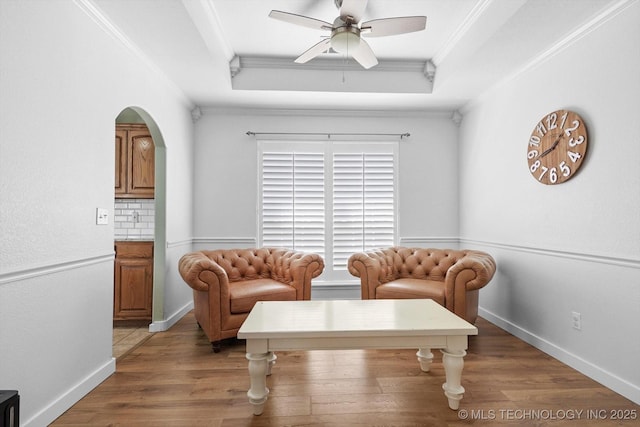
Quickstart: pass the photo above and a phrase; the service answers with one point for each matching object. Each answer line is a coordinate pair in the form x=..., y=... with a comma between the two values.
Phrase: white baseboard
x=47, y=415
x=609, y=380
x=164, y=325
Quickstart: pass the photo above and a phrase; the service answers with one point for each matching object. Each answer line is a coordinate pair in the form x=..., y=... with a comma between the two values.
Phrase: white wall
x=63, y=81
x=226, y=169
x=574, y=246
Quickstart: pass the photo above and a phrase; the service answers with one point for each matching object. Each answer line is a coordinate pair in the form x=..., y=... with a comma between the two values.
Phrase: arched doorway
x=135, y=115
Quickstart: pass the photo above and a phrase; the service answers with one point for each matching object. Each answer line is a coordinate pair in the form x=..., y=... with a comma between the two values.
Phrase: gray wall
x=574, y=246
x=226, y=167
x=64, y=81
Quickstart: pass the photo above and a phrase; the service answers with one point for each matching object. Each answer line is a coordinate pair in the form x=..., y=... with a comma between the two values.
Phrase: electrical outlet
x=576, y=320
x=102, y=216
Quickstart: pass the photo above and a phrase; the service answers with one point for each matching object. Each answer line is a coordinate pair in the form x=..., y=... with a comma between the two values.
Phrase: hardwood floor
x=174, y=379
x=127, y=335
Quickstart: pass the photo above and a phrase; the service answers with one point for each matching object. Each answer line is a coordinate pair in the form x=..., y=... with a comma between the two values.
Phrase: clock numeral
x=573, y=156
x=534, y=166
x=544, y=171
x=576, y=125
x=553, y=174
x=552, y=121
x=564, y=120
x=534, y=141
x=573, y=142
x=557, y=146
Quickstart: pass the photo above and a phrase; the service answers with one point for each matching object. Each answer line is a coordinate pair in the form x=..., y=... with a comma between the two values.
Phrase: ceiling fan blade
x=314, y=51
x=364, y=55
x=353, y=8
x=393, y=26
x=303, y=21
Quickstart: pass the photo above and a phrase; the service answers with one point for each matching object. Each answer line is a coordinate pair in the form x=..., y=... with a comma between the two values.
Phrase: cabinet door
x=121, y=161
x=141, y=167
x=133, y=288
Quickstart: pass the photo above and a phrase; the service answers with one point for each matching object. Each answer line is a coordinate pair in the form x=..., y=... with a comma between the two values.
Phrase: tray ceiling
x=470, y=45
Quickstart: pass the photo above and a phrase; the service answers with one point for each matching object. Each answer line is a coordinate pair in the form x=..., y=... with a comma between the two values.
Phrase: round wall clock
x=557, y=147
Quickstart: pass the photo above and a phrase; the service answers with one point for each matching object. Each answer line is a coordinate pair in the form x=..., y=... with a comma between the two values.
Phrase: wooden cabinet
x=133, y=290
x=135, y=162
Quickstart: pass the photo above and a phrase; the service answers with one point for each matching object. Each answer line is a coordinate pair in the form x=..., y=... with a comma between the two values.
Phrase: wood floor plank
x=174, y=379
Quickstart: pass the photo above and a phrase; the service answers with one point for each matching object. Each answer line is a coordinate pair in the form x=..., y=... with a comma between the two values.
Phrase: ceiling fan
x=346, y=34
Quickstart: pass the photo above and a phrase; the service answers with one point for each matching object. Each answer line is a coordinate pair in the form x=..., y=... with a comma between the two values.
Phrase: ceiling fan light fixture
x=345, y=31
x=345, y=39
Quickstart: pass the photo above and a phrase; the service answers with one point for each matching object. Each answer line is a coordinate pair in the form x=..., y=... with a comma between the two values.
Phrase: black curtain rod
x=329, y=134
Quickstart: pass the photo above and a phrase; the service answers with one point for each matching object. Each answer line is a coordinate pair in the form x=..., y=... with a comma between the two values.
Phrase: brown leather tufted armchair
x=453, y=278
x=227, y=283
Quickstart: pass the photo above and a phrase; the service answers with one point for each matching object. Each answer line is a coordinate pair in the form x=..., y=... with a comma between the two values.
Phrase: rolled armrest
x=201, y=273
x=307, y=266
x=368, y=269
x=297, y=269
x=471, y=272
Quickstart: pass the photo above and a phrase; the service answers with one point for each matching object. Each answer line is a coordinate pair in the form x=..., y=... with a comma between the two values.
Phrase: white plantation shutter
x=331, y=198
x=293, y=201
x=363, y=203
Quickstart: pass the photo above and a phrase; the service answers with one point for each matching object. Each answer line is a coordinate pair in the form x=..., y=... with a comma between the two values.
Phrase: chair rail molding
x=225, y=242
x=438, y=242
x=47, y=269
x=590, y=257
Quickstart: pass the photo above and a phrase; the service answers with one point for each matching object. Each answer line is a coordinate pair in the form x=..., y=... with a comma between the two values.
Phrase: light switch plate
x=102, y=216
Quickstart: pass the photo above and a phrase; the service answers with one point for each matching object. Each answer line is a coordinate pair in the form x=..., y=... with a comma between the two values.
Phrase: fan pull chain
x=345, y=63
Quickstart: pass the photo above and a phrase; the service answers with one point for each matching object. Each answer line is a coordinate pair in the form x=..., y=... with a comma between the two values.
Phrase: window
x=293, y=201
x=331, y=198
x=363, y=203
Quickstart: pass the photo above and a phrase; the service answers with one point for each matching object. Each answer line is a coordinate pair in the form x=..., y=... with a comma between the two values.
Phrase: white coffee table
x=354, y=324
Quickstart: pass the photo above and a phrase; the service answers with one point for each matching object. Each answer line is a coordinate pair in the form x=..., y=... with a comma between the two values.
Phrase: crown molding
x=456, y=117
x=429, y=70
x=588, y=27
x=196, y=114
x=205, y=17
x=103, y=21
x=583, y=30
x=468, y=23
x=331, y=73
x=331, y=62
x=268, y=111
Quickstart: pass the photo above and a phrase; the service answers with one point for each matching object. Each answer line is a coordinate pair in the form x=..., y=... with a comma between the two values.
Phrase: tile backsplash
x=134, y=218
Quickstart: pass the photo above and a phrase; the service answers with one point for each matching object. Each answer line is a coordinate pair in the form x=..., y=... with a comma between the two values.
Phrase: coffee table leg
x=258, y=368
x=271, y=359
x=425, y=357
x=453, y=362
